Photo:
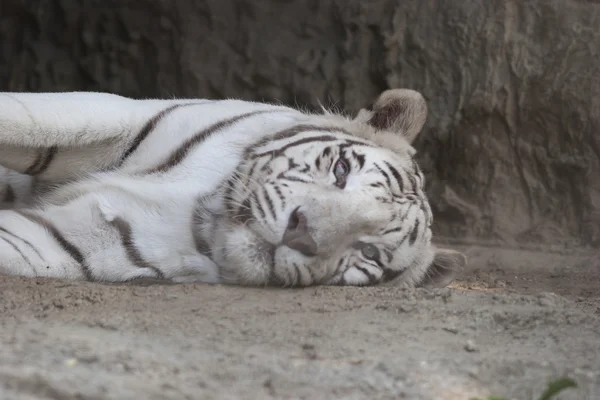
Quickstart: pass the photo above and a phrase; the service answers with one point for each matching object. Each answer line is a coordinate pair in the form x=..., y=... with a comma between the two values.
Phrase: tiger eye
x=340, y=171
x=370, y=252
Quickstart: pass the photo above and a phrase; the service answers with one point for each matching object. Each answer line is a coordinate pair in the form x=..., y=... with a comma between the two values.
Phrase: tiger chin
x=227, y=191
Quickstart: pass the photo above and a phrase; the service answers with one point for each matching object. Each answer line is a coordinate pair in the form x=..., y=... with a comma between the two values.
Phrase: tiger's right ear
x=402, y=111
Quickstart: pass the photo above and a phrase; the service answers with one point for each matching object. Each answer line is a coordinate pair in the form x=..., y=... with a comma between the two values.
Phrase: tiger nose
x=296, y=235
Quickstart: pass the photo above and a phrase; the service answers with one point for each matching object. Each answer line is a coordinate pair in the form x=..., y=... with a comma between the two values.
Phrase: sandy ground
x=514, y=320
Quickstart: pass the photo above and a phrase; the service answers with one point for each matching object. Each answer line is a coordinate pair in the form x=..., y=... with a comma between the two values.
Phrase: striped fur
x=104, y=188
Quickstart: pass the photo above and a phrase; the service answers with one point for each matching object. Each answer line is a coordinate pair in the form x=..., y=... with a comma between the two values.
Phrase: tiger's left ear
x=402, y=111
x=443, y=268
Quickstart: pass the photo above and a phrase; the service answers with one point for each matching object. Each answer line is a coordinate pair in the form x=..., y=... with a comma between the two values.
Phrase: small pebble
x=500, y=283
x=71, y=362
x=470, y=346
x=473, y=372
x=547, y=299
x=87, y=357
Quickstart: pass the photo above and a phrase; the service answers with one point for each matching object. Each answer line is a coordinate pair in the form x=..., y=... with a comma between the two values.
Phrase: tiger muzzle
x=297, y=235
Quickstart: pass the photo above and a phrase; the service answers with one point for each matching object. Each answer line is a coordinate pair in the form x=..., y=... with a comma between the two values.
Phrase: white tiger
x=225, y=191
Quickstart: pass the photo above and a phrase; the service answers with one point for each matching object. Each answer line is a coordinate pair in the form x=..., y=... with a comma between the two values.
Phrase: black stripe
x=14, y=246
x=291, y=178
x=305, y=169
x=290, y=132
x=403, y=219
x=323, y=138
x=47, y=160
x=133, y=254
x=42, y=161
x=403, y=239
x=414, y=183
x=274, y=280
x=285, y=134
x=414, y=233
x=202, y=245
x=392, y=230
x=178, y=155
x=423, y=210
x=277, y=152
x=385, y=175
x=418, y=174
x=415, y=165
x=292, y=164
x=311, y=274
x=298, y=275
x=389, y=255
x=280, y=195
x=339, y=266
x=244, y=213
x=372, y=278
x=288, y=274
x=396, y=176
x=228, y=194
x=198, y=220
x=67, y=246
x=269, y=202
x=258, y=205
x=251, y=170
x=33, y=167
x=149, y=127
x=266, y=168
x=9, y=195
x=360, y=158
x=24, y=241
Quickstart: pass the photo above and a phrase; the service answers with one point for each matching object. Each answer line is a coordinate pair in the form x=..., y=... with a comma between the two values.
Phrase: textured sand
x=513, y=321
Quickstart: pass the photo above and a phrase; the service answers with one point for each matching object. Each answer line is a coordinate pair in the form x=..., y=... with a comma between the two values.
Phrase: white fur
x=91, y=131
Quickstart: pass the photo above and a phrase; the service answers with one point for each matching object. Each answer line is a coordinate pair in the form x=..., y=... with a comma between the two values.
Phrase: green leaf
x=556, y=387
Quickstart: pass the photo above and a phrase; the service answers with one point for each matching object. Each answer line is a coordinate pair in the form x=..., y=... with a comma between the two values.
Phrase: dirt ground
x=514, y=320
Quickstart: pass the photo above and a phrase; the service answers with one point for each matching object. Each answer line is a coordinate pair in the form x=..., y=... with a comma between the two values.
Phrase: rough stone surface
x=511, y=150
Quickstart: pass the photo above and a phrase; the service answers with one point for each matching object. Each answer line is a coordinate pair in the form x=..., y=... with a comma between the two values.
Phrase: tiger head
x=335, y=201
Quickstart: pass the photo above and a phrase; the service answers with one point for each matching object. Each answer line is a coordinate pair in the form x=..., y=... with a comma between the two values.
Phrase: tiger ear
x=403, y=111
x=443, y=269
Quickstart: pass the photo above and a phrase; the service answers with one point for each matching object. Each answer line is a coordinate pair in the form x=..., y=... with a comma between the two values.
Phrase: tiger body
x=106, y=188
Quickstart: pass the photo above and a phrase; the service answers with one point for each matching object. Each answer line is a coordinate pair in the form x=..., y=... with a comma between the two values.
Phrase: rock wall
x=512, y=145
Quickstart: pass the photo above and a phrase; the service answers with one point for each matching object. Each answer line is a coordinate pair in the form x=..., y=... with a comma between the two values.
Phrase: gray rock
x=511, y=150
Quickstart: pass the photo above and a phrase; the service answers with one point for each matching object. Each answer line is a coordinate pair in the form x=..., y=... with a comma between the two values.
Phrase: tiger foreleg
x=30, y=245
x=105, y=235
x=70, y=241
